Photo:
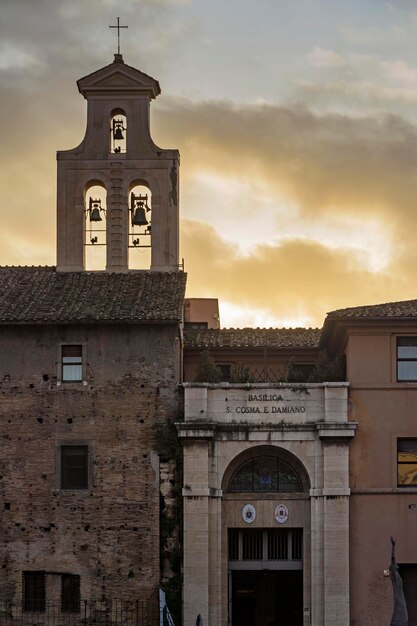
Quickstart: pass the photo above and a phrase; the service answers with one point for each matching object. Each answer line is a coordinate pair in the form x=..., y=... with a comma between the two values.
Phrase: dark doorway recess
x=267, y=598
x=409, y=575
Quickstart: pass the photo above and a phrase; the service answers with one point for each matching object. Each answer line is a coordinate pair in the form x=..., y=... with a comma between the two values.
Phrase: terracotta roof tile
x=252, y=338
x=41, y=294
x=403, y=309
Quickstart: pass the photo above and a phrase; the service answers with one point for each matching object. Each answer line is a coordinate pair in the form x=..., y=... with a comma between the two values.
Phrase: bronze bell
x=118, y=135
x=117, y=130
x=139, y=216
x=95, y=211
x=95, y=215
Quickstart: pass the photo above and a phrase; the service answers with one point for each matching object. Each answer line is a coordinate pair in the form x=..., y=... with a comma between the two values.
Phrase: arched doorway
x=267, y=526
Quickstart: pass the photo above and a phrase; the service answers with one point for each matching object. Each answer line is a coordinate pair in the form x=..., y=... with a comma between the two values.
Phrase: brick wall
x=108, y=534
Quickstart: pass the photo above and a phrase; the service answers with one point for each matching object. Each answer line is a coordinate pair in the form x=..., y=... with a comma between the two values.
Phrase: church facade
x=299, y=460
x=292, y=489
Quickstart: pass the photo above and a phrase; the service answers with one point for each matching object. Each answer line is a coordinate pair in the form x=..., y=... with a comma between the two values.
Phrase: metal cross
x=118, y=33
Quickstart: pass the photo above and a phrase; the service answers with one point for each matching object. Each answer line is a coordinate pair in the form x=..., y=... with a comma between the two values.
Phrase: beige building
x=292, y=490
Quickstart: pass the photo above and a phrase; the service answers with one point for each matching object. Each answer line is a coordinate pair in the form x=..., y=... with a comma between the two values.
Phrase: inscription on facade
x=264, y=403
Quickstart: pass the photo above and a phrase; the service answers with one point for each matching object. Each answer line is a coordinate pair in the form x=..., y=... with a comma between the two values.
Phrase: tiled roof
x=405, y=309
x=252, y=338
x=41, y=294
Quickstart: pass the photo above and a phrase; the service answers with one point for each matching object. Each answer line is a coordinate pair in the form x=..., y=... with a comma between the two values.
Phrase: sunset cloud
x=297, y=280
x=298, y=151
x=325, y=163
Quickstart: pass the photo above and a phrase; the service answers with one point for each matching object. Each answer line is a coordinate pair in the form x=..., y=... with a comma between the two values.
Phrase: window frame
x=60, y=357
x=406, y=485
x=89, y=466
x=29, y=603
x=399, y=359
x=70, y=603
x=278, y=486
x=226, y=370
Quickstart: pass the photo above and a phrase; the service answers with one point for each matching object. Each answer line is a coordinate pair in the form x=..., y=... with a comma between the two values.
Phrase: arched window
x=265, y=474
x=140, y=218
x=95, y=227
x=118, y=130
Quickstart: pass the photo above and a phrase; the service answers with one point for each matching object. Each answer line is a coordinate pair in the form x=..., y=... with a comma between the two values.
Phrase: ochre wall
x=384, y=410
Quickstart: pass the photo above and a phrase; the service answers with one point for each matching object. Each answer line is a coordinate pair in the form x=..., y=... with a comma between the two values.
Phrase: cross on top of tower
x=118, y=34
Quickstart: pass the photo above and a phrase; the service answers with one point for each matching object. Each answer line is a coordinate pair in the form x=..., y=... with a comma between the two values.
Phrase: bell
x=117, y=134
x=139, y=217
x=95, y=215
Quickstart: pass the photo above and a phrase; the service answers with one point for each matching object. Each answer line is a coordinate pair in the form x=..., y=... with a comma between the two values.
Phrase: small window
x=34, y=592
x=74, y=467
x=407, y=359
x=226, y=371
x=300, y=372
x=70, y=593
x=72, y=363
x=407, y=462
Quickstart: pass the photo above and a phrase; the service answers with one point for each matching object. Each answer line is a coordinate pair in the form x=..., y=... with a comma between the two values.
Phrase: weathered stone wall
x=108, y=534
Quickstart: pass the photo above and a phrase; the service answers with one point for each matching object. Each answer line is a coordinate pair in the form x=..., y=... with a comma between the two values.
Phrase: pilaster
x=196, y=530
x=117, y=250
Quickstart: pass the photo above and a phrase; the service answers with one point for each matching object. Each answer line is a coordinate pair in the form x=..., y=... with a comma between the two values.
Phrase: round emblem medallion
x=281, y=514
x=248, y=513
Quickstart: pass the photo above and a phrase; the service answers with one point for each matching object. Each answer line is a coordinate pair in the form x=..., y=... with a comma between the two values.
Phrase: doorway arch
x=267, y=552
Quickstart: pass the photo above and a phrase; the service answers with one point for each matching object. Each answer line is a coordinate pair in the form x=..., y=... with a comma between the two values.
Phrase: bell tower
x=118, y=155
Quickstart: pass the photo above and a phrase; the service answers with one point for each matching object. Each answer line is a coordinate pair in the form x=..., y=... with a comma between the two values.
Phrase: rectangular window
x=407, y=359
x=196, y=325
x=34, y=591
x=226, y=371
x=74, y=467
x=70, y=593
x=407, y=462
x=72, y=363
x=273, y=544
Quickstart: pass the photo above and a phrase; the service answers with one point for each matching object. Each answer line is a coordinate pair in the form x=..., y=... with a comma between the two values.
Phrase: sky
x=296, y=121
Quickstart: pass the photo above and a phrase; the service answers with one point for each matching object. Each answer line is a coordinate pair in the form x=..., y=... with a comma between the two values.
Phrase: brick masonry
x=108, y=534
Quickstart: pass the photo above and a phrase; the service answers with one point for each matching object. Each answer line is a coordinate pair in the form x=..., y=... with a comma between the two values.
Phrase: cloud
x=320, y=57
x=326, y=164
x=400, y=71
x=329, y=169
x=16, y=57
x=353, y=83
x=295, y=280
x=323, y=186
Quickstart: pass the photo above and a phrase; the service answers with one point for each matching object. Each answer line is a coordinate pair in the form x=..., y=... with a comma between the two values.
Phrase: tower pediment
x=118, y=78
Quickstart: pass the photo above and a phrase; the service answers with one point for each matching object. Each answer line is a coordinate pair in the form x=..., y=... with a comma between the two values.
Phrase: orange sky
x=298, y=144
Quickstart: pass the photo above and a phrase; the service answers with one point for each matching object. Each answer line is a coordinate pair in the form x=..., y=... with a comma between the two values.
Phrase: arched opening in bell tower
x=140, y=218
x=118, y=131
x=95, y=226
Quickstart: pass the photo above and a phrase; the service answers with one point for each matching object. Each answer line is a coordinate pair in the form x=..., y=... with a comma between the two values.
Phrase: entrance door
x=267, y=598
x=409, y=575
